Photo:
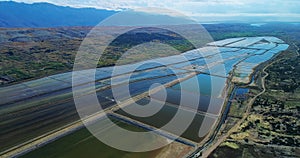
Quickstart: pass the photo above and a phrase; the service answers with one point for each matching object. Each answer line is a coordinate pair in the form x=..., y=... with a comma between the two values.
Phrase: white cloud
x=287, y=10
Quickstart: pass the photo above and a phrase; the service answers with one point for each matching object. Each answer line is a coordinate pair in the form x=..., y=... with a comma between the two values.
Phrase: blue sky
x=202, y=10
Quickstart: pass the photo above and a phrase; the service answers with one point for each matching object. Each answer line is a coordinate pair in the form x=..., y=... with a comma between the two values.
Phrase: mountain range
x=14, y=14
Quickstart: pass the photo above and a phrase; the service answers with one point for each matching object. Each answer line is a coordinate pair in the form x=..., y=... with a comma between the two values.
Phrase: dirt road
x=223, y=137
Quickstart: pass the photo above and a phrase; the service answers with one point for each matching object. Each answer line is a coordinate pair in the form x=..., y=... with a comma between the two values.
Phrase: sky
x=202, y=10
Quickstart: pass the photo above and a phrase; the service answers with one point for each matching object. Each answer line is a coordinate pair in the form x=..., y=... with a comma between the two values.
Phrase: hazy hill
x=13, y=14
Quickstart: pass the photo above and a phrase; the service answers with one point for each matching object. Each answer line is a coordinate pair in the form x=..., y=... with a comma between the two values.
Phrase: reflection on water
x=174, y=97
x=83, y=144
x=203, y=84
x=167, y=113
x=244, y=54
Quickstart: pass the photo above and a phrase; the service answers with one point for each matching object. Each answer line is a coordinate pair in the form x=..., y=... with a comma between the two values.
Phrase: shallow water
x=191, y=101
x=207, y=87
x=203, y=84
x=225, y=42
x=163, y=118
x=241, y=91
x=83, y=144
x=246, y=42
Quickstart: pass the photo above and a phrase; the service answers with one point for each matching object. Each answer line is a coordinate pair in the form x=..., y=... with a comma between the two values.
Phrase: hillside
x=13, y=14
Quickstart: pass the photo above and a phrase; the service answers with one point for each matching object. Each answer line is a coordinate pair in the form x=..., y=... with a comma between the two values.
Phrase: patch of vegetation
x=135, y=37
x=273, y=124
x=284, y=75
x=274, y=117
x=231, y=145
x=35, y=53
x=253, y=151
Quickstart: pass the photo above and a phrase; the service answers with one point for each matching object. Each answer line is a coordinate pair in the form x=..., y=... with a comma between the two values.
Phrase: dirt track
x=222, y=138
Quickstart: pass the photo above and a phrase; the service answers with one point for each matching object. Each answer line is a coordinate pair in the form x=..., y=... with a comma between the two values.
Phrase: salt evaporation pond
x=204, y=85
x=82, y=144
x=245, y=48
x=164, y=116
x=238, y=57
